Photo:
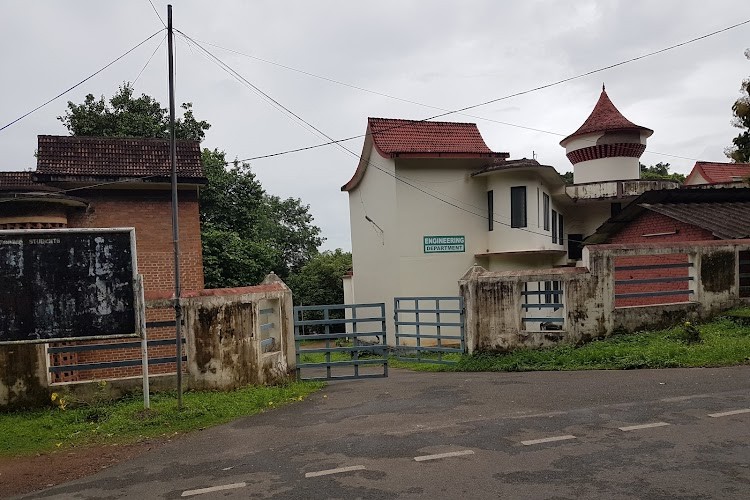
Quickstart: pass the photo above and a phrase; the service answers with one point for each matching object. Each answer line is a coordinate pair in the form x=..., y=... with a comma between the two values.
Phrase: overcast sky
x=439, y=53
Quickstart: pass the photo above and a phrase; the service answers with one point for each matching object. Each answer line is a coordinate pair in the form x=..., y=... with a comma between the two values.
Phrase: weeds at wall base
x=125, y=421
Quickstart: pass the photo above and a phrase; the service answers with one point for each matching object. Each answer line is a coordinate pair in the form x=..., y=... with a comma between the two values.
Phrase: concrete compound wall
x=493, y=300
x=225, y=348
x=224, y=335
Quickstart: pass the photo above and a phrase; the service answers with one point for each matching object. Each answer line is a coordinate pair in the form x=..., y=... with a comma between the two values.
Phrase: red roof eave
x=394, y=138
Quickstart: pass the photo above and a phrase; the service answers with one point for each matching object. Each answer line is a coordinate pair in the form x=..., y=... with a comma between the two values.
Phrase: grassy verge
x=125, y=421
x=726, y=341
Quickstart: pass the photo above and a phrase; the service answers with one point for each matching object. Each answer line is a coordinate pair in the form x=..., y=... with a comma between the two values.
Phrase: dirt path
x=25, y=474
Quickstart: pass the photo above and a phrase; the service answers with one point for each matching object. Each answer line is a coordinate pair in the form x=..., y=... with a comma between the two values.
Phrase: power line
x=157, y=13
x=149, y=60
x=347, y=150
x=236, y=75
x=402, y=99
x=79, y=83
x=509, y=96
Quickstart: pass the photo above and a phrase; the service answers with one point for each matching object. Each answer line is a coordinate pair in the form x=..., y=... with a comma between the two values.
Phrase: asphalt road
x=597, y=434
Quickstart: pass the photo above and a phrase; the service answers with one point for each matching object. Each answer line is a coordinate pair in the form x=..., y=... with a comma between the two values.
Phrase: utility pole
x=175, y=218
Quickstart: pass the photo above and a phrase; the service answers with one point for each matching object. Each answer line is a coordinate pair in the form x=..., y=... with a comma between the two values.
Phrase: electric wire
x=157, y=13
x=237, y=76
x=79, y=83
x=515, y=94
x=350, y=152
x=337, y=142
x=149, y=60
x=409, y=101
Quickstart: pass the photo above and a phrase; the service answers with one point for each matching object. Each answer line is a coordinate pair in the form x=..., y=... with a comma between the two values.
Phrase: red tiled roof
x=115, y=157
x=394, y=137
x=719, y=173
x=21, y=181
x=605, y=117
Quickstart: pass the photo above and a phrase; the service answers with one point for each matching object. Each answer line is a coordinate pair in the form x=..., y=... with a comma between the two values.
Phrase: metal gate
x=335, y=342
x=428, y=328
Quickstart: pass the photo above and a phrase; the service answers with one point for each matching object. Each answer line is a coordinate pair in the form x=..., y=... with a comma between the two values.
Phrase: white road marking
x=424, y=458
x=643, y=426
x=334, y=471
x=201, y=491
x=727, y=413
x=548, y=440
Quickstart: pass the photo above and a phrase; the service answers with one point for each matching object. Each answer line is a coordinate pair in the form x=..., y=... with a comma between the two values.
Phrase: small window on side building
x=545, y=207
x=554, y=226
x=518, y=206
x=490, y=210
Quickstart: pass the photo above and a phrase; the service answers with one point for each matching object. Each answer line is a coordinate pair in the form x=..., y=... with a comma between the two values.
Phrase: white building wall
x=374, y=248
x=504, y=238
x=695, y=179
x=603, y=169
x=585, y=218
x=420, y=215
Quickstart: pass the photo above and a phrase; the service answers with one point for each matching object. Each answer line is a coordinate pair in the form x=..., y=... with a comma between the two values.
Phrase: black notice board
x=66, y=284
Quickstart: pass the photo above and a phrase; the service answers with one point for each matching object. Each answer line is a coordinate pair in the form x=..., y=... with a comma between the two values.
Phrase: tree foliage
x=567, y=177
x=128, y=116
x=319, y=281
x=660, y=172
x=740, y=151
x=247, y=232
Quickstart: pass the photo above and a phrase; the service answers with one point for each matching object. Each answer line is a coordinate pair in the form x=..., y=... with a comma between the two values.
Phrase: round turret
x=607, y=146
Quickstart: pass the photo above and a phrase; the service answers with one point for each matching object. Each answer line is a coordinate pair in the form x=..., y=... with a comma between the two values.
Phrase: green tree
x=245, y=231
x=128, y=116
x=660, y=172
x=740, y=151
x=319, y=281
x=567, y=177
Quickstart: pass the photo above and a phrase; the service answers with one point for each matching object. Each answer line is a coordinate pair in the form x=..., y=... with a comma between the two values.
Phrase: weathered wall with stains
x=23, y=376
x=227, y=346
x=494, y=300
x=225, y=342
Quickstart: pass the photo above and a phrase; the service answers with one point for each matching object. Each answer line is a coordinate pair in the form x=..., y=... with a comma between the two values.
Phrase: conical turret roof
x=605, y=118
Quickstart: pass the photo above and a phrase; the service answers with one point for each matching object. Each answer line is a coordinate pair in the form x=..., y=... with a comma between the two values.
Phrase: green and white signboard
x=444, y=244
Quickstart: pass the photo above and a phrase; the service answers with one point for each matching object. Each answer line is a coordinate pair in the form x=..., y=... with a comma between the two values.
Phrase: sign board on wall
x=67, y=284
x=444, y=244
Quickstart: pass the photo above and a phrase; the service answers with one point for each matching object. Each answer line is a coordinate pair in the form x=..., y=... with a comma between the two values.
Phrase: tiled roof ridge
x=406, y=120
x=92, y=156
x=603, y=118
x=111, y=137
x=704, y=168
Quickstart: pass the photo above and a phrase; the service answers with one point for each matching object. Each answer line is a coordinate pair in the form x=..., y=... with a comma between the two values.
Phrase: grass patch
x=426, y=366
x=725, y=342
x=125, y=421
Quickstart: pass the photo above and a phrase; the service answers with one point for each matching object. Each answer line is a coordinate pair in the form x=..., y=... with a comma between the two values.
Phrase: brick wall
x=652, y=223
x=150, y=212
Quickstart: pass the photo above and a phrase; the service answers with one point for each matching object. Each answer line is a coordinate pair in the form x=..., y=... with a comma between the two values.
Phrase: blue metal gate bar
x=111, y=347
x=543, y=305
x=355, y=351
x=435, y=324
